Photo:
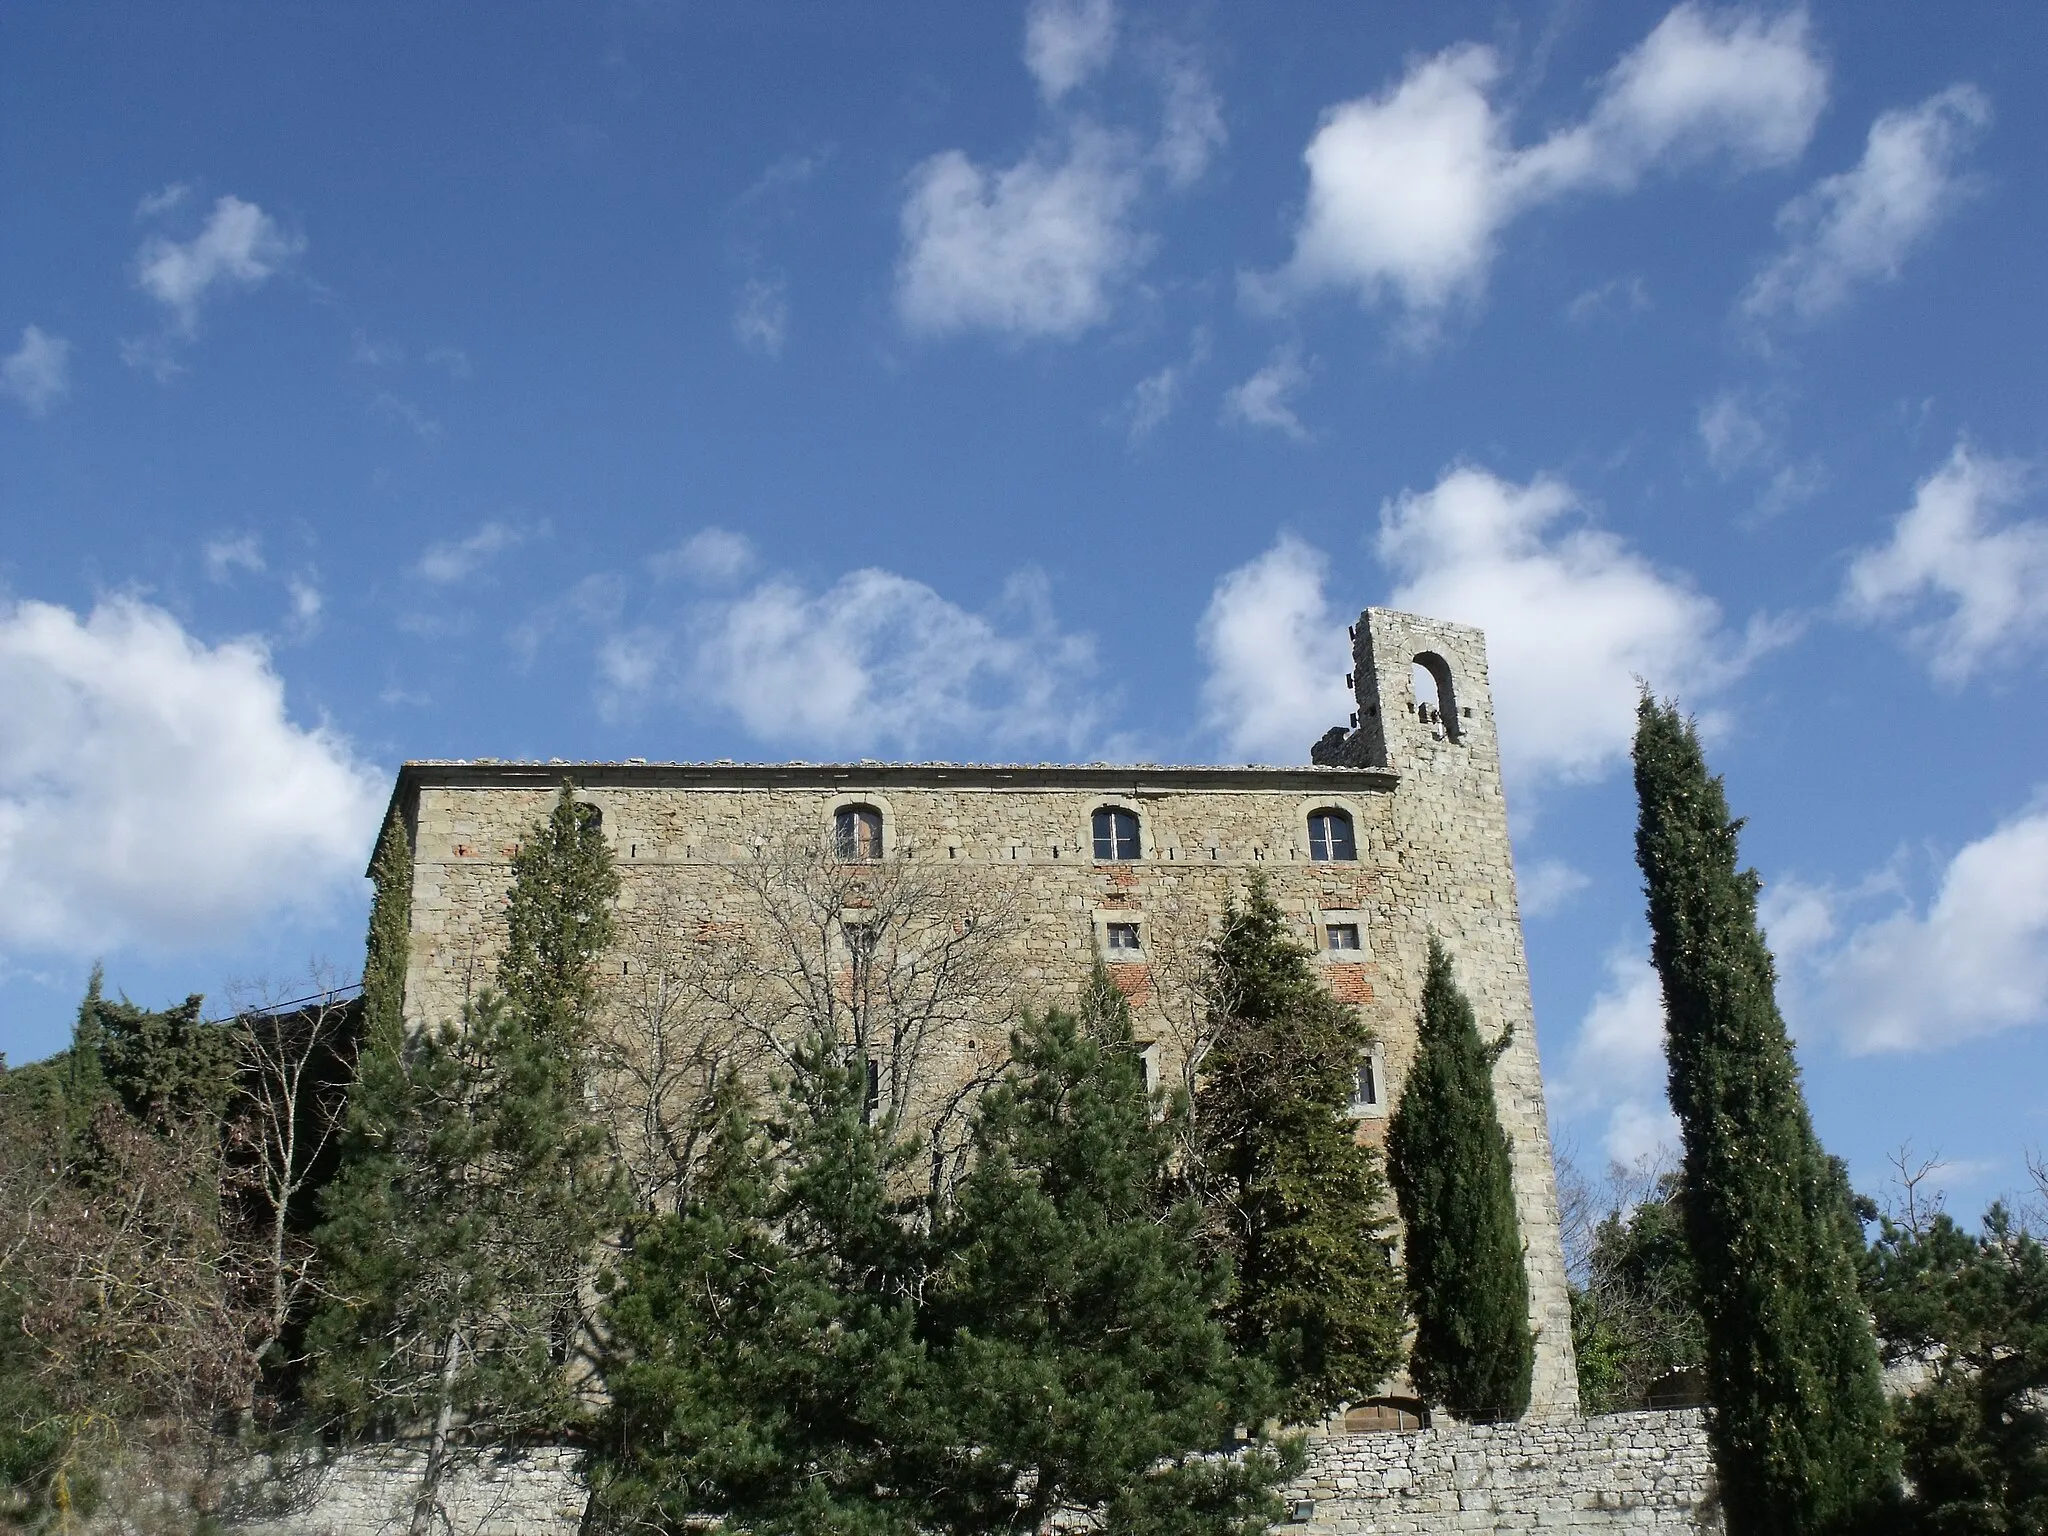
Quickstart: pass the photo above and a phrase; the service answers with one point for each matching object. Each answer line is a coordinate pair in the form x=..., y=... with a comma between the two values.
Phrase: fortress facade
x=1395, y=833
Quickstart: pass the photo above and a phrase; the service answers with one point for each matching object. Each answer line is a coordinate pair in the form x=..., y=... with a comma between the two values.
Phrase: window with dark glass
x=1123, y=940
x=1329, y=837
x=874, y=1086
x=1116, y=833
x=1365, y=1086
x=1342, y=935
x=857, y=832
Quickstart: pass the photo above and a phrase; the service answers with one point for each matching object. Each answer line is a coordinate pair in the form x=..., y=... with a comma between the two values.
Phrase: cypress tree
x=472, y=1193
x=1799, y=1424
x=1448, y=1155
x=1302, y=1202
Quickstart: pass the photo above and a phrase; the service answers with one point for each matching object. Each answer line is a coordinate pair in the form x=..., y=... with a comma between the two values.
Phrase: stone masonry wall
x=1619, y=1473
x=1424, y=797
x=1616, y=1475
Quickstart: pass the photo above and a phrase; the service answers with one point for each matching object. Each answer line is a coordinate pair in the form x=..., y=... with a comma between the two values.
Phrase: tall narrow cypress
x=1474, y=1353
x=1799, y=1415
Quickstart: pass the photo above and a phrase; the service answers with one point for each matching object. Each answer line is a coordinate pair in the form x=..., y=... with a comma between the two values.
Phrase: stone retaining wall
x=1620, y=1472
x=1615, y=1475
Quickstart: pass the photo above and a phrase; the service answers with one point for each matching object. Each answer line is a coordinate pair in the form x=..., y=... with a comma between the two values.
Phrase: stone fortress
x=1396, y=832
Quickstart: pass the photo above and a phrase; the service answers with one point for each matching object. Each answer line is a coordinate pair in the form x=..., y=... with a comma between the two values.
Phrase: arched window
x=1330, y=837
x=589, y=816
x=1116, y=833
x=857, y=832
x=1436, y=701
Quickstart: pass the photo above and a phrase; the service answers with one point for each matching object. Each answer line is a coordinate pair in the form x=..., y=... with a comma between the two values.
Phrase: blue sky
x=1044, y=384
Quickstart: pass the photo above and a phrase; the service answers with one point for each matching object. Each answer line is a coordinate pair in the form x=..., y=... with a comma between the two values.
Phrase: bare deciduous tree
x=904, y=967
x=294, y=1055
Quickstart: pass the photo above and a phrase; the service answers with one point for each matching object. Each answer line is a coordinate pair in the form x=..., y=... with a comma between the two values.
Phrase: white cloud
x=1039, y=248
x=1948, y=550
x=1614, y=299
x=1193, y=128
x=1858, y=227
x=711, y=555
x=1261, y=400
x=224, y=557
x=1152, y=401
x=407, y=414
x=308, y=603
x=760, y=316
x=1973, y=962
x=154, y=204
x=1616, y=1067
x=1033, y=249
x=1066, y=41
x=37, y=373
x=1548, y=886
x=1575, y=619
x=1409, y=190
x=879, y=660
x=1275, y=656
x=241, y=246
x=453, y=560
x=154, y=790
x=1733, y=436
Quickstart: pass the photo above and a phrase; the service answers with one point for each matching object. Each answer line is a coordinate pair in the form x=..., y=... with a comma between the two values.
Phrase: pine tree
x=1077, y=1361
x=1799, y=1414
x=764, y=1361
x=473, y=1191
x=1303, y=1202
x=1448, y=1155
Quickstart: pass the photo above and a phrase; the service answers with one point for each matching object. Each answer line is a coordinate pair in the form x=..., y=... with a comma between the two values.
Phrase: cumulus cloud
x=154, y=791
x=1262, y=399
x=1575, y=619
x=1548, y=886
x=1409, y=190
x=240, y=246
x=880, y=661
x=1972, y=962
x=1975, y=585
x=1032, y=249
x=37, y=374
x=1275, y=655
x=1039, y=248
x=452, y=560
x=1616, y=1066
x=711, y=555
x=1857, y=228
x=1066, y=41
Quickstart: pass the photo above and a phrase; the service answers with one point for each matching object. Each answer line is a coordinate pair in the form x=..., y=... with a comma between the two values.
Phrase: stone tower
x=1425, y=711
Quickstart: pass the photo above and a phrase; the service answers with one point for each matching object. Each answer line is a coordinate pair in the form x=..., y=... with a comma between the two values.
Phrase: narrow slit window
x=1365, y=1086
x=1116, y=833
x=1330, y=837
x=857, y=832
x=874, y=1087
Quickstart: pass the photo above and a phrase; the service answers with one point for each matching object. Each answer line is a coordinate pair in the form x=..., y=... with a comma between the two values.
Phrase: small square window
x=1122, y=939
x=1342, y=936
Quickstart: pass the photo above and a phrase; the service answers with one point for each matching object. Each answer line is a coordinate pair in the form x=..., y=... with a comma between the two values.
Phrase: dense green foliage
x=1971, y=1309
x=801, y=1350
x=1635, y=1320
x=473, y=1190
x=1473, y=1352
x=1302, y=1205
x=1799, y=1428
x=389, y=944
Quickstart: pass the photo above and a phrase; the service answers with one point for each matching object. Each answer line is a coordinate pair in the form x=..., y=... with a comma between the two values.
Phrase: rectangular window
x=1365, y=1087
x=1123, y=940
x=1342, y=935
